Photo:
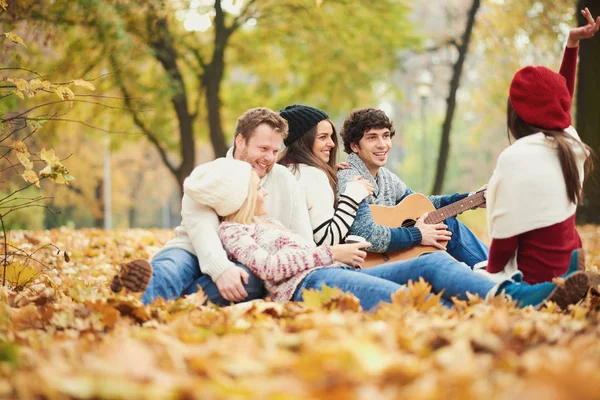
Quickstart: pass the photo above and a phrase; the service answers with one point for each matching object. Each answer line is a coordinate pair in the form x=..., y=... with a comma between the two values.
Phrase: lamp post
x=107, y=184
x=424, y=90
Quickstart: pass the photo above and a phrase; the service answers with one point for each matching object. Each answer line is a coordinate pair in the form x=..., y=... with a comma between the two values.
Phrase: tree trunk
x=463, y=47
x=587, y=118
x=213, y=75
x=99, y=195
x=166, y=54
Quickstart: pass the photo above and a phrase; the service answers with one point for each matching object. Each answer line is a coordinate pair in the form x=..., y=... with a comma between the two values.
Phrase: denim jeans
x=176, y=272
x=376, y=284
x=368, y=289
x=464, y=245
x=438, y=269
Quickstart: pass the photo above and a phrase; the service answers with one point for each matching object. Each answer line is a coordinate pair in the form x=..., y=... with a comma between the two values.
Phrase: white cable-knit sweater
x=198, y=235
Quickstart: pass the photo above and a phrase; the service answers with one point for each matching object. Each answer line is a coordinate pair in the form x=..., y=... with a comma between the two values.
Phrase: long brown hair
x=519, y=128
x=300, y=152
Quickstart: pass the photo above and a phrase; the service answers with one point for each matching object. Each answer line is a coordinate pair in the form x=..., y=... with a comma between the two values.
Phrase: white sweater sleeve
x=300, y=221
x=202, y=224
x=329, y=225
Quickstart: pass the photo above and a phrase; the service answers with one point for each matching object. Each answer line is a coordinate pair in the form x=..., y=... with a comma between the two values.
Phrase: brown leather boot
x=133, y=277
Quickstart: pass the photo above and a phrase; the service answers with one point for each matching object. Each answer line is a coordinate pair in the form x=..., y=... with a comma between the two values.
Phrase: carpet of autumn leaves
x=67, y=336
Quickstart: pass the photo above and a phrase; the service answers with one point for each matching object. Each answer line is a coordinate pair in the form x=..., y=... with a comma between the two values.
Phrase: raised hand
x=342, y=165
x=584, y=32
x=365, y=183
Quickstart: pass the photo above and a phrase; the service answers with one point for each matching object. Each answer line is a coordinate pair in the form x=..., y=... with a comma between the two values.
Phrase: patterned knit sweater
x=389, y=190
x=277, y=256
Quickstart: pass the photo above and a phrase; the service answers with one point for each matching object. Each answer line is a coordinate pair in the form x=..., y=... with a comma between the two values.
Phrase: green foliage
x=329, y=56
x=290, y=51
x=31, y=218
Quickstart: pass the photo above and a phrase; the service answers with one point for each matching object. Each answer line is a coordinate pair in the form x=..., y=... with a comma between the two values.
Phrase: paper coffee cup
x=355, y=239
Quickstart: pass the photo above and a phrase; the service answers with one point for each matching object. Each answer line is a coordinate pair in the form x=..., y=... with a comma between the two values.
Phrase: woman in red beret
x=536, y=186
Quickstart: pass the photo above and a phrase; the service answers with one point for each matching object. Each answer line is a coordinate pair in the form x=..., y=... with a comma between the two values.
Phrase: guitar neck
x=452, y=210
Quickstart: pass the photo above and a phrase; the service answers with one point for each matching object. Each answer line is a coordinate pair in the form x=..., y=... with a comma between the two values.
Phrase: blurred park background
x=155, y=88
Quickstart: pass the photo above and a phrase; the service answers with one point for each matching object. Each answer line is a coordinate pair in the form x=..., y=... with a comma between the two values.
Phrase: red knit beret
x=541, y=98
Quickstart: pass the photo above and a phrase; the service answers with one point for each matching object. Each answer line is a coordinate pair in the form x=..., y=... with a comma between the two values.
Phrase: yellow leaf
x=21, y=84
x=19, y=275
x=19, y=94
x=19, y=146
x=46, y=171
x=36, y=84
x=3, y=4
x=13, y=37
x=49, y=157
x=59, y=93
x=64, y=93
x=31, y=177
x=319, y=2
x=22, y=154
x=329, y=298
x=418, y=295
x=84, y=84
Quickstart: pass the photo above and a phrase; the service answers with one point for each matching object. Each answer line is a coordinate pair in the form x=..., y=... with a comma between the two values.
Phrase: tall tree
x=588, y=113
x=462, y=48
x=254, y=53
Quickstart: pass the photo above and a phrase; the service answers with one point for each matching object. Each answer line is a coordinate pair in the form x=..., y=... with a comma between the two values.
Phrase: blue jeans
x=464, y=245
x=369, y=290
x=176, y=272
x=438, y=269
x=377, y=284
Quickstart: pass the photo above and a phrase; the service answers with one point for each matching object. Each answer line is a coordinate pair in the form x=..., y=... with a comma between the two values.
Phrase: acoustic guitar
x=406, y=213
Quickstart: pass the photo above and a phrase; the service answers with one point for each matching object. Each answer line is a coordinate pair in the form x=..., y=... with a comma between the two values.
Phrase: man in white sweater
x=195, y=257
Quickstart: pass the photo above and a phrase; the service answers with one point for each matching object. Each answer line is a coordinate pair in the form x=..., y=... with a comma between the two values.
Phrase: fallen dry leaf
x=66, y=335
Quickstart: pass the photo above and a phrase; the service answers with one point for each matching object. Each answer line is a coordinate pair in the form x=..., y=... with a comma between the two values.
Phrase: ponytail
x=564, y=145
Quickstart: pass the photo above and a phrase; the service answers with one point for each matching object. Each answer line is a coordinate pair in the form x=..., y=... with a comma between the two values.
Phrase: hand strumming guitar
x=433, y=233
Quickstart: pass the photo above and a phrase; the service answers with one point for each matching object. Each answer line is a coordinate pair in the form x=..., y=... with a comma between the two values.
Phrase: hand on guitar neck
x=484, y=190
x=433, y=234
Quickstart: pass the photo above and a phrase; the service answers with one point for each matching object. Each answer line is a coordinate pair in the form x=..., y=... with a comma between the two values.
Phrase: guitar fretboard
x=437, y=216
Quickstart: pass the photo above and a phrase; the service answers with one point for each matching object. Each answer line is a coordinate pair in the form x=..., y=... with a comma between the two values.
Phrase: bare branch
x=140, y=124
x=79, y=122
x=30, y=256
x=64, y=101
x=22, y=205
x=110, y=97
x=27, y=206
x=20, y=190
x=21, y=69
x=118, y=68
x=11, y=166
x=13, y=132
x=5, y=261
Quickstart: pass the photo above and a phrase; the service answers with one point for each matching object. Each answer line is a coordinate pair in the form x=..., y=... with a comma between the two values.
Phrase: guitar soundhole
x=408, y=223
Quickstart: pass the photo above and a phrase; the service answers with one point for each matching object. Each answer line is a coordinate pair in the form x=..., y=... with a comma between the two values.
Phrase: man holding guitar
x=399, y=223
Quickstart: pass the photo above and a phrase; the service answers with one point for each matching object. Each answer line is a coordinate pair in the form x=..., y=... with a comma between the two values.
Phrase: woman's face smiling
x=323, y=141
